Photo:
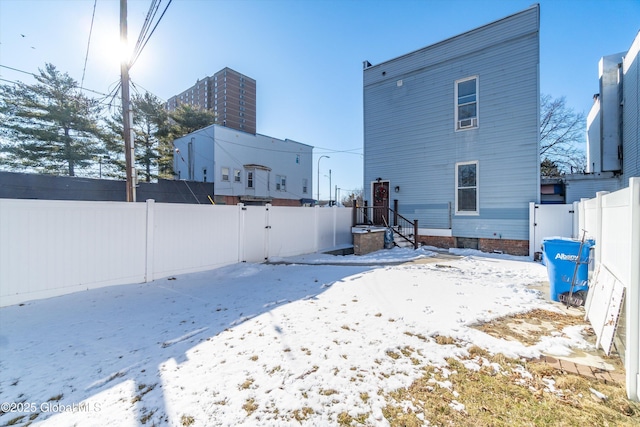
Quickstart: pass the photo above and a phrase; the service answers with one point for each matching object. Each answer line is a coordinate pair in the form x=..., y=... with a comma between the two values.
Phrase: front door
x=381, y=203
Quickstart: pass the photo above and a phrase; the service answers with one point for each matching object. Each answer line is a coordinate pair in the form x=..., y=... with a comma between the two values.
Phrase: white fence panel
x=338, y=219
x=615, y=243
x=50, y=248
x=190, y=238
x=588, y=220
x=291, y=233
x=614, y=221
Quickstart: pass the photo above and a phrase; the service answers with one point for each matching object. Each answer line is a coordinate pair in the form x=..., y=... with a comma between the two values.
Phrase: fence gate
x=551, y=221
x=255, y=228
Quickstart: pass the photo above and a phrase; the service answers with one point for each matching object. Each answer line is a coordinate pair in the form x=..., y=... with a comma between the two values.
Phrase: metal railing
x=386, y=217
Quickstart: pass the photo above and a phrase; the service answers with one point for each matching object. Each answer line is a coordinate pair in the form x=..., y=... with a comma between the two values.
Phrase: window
x=466, y=97
x=281, y=183
x=249, y=179
x=225, y=174
x=204, y=174
x=467, y=188
x=305, y=184
x=236, y=175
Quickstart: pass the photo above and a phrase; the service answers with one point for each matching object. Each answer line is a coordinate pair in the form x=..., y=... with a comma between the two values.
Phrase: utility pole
x=127, y=114
x=329, y=187
x=318, y=180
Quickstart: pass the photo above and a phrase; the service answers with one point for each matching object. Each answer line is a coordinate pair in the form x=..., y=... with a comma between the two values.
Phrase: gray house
x=247, y=168
x=451, y=135
x=613, y=128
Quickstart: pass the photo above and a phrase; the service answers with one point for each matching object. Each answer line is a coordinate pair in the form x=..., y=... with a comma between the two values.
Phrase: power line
x=141, y=45
x=84, y=69
x=35, y=75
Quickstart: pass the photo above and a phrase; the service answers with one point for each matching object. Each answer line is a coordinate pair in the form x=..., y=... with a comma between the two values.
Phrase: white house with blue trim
x=451, y=135
x=246, y=168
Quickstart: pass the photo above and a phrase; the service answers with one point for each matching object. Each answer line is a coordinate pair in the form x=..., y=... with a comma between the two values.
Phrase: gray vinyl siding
x=631, y=114
x=409, y=129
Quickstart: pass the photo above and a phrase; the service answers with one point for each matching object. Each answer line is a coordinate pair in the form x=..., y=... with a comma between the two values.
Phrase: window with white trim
x=249, y=179
x=305, y=183
x=225, y=174
x=467, y=188
x=281, y=183
x=236, y=175
x=466, y=99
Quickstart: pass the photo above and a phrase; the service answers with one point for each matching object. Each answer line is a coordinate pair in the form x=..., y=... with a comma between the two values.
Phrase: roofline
x=447, y=40
x=214, y=125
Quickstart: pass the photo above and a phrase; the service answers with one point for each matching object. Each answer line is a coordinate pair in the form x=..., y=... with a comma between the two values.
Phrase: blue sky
x=305, y=55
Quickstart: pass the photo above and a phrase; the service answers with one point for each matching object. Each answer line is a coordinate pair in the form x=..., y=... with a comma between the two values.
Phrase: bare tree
x=562, y=136
x=356, y=195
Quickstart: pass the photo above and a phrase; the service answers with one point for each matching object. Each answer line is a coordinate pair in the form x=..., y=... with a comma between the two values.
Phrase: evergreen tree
x=150, y=124
x=49, y=126
x=188, y=118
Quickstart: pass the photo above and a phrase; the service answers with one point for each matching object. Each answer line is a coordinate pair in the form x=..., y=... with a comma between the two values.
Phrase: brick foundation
x=437, y=241
x=511, y=247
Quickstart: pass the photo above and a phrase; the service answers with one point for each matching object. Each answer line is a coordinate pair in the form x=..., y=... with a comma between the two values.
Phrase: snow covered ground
x=257, y=344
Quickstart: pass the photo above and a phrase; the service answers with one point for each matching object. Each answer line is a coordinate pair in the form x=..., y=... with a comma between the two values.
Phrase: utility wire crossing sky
x=306, y=56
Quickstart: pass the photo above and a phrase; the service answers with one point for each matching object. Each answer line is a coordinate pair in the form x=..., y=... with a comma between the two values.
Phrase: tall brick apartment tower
x=231, y=95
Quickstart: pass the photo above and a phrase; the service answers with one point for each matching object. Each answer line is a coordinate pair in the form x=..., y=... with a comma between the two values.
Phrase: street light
x=320, y=158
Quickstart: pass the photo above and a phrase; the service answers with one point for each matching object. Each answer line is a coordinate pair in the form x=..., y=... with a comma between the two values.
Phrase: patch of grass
x=146, y=417
x=253, y=358
x=443, y=340
x=364, y=396
x=306, y=351
x=419, y=336
x=344, y=419
x=510, y=398
x=187, y=420
x=530, y=326
x=56, y=398
x=474, y=350
x=407, y=351
x=250, y=406
x=392, y=354
x=328, y=392
x=15, y=421
x=142, y=390
x=246, y=384
x=275, y=369
x=302, y=414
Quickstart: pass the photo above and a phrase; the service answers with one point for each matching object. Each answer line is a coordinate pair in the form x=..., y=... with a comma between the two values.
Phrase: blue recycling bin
x=561, y=256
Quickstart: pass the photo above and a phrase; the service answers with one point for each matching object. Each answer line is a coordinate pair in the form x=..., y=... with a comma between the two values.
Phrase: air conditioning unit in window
x=467, y=123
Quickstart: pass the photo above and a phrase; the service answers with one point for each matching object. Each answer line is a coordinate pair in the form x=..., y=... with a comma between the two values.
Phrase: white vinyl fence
x=547, y=221
x=613, y=220
x=50, y=248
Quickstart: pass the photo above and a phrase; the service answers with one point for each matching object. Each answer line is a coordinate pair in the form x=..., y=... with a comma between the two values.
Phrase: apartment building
x=230, y=94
